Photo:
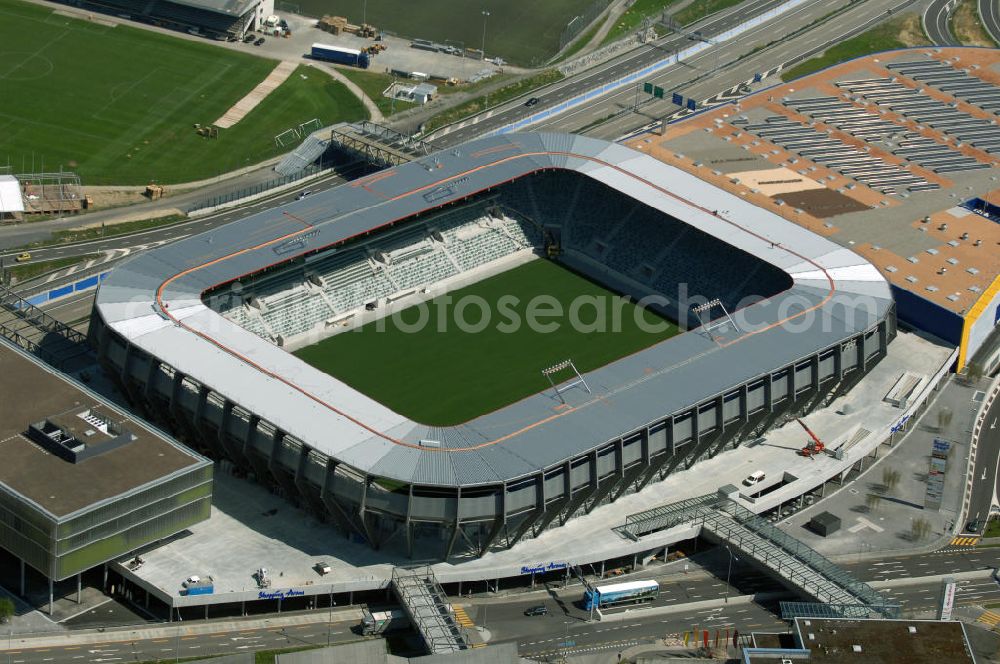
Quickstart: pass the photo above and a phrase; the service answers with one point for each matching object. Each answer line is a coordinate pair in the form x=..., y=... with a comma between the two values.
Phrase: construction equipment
x=814, y=446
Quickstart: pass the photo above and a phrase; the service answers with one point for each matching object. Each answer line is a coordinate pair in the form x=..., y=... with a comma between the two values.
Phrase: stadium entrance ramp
x=426, y=603
x=777, y=553
x=378, y=145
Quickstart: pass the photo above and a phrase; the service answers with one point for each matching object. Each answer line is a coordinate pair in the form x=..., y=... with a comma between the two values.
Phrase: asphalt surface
x=129, y=645
x=19, y=235
x=989, y=12
x=698, y=78
x=633, y=60
x=565, y=628
x=936, y=22
x=986, y=480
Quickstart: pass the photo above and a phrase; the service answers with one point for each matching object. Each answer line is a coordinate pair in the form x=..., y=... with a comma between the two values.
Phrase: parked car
x=248, y=38
x=539, y=610
x=23, y=256
x=531, y=102
x=754, y=478
x=259, y=41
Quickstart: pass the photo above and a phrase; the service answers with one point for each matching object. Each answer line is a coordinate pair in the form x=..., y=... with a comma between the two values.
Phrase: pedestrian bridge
x=835, y=591
x=428, y=608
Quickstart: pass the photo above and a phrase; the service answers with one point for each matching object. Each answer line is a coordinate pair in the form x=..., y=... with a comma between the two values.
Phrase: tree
x=973, y=372
x=890, y=478
x=919, y=529
x=872, y=502
x=6, y=609
x=944, y=418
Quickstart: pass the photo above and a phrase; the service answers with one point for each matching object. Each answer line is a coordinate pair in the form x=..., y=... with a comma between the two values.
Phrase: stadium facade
x=193, y=331
x=220, y=18
x=82, y=482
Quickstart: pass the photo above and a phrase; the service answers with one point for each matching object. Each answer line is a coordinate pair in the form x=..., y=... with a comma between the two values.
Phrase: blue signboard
x=279, y=594
x=542, y=567
x=677, y=99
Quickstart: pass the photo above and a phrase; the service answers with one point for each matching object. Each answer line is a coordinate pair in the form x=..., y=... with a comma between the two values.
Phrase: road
x=936, y=22
x=989, y=12
x=633, y=60
x=139, y=644
x=546, y=634
x=123, y=244
x=565, y=623
x=986, y=480
x=699, y=79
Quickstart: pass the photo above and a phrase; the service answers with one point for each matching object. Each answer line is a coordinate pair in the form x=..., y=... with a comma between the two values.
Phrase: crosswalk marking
x=990, y=618
x=965, y=541
x=462, y=618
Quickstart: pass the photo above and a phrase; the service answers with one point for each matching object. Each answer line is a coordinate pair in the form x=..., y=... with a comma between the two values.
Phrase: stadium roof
x=154, y=301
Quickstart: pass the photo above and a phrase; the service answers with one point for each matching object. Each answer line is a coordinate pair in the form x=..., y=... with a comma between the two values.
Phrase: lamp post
x=486, y=15
x=729, y=571
x=329, y=621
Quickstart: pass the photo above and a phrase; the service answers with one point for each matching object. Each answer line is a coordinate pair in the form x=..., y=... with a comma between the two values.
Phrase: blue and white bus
x=615, y=594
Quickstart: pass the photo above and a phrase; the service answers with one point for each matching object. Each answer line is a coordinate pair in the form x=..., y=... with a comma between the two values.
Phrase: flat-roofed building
x=83, y=482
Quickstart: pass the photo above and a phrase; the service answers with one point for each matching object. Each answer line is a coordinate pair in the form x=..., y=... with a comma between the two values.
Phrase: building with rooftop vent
x=82, y=482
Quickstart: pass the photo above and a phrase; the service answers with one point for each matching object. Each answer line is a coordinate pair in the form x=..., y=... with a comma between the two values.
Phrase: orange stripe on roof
x=524, y=155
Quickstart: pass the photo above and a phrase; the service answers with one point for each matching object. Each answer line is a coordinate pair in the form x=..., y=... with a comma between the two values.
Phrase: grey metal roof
x=844, y=293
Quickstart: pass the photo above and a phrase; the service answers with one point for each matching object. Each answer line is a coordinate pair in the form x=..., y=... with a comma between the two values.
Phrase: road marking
x=865, y=523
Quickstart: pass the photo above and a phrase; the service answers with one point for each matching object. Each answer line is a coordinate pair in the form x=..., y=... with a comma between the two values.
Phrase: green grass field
x=444, y=378
x=522, y=32
x=118, y=104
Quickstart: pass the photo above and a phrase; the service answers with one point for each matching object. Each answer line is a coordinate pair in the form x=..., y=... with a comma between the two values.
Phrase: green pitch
x=523, y=32
x=119, y=104
x=448, y=377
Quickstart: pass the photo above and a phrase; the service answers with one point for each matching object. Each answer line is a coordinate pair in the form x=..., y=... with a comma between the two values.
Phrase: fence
x=258, y=189
x=580, y=23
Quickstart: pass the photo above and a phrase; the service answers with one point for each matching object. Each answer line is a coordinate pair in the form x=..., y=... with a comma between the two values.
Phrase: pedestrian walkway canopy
x=776, y=552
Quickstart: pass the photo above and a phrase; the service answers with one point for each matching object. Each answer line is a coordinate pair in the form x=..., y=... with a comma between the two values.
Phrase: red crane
x=815, y=446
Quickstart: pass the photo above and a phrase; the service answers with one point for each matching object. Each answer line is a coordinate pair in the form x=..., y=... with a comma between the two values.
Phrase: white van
x=754, y=478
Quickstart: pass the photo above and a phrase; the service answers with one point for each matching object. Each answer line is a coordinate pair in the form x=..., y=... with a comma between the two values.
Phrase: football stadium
x=466, y=350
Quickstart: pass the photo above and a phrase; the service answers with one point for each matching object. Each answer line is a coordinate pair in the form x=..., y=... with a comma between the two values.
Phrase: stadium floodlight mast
x=721, y=322
x=483, y=52
x=562, y=366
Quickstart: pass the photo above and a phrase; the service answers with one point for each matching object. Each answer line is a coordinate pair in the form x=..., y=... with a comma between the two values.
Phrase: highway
x=633, y=60
x=936, y=22
x=986, y=482
x=989, y=13
x=699, y=79
x=133, y=241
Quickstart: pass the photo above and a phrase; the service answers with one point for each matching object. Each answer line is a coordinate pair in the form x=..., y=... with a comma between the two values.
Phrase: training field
x=444, y=378
x=118, y=104
x=523, y=32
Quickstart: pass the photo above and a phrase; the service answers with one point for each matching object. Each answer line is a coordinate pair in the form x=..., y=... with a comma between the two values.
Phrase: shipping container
x=340, y=55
